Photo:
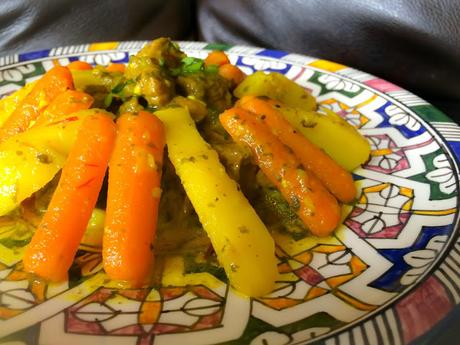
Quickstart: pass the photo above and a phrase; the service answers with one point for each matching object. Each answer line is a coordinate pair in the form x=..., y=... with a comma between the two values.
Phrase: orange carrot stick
x=133, y=198
x=56, y=240
x=116, y=67
x=232, y=73
x=53, y=82
x=316, y=207
x=66, y=103
x=216, y=57
x=79, y=66
x=334, y=177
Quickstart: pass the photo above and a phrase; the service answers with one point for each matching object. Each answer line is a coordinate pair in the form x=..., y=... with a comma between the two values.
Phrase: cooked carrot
x=242, y=242
x=334, y=177
x=315, y=206
x=66, y=103
x=216, y=57
x=9, y=103
x=55, y=81
x=133, y=198
x=79, y=66
x=232, y=73
x=56, y=240
x=116, y=67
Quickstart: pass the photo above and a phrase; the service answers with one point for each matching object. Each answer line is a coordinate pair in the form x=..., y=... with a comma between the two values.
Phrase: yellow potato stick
x=242, y=243
x=329, y=131
x=277, y=86
x=29, y=160
x=9, y=104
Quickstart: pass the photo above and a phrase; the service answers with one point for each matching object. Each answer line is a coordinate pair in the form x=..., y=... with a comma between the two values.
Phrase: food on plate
x=278, y=87
x=306, y=195
x=332, y=175
x=79, y=65
x=67, y=102
x=133, y=197
x=30, y=160
x=327, y=130
x=242, y=243
x=9, y=103
x=56, y=240
x=204, y=163
x=53, y=83
x=216, y=58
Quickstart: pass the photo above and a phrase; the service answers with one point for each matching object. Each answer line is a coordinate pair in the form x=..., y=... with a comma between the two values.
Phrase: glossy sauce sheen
x=318, y=209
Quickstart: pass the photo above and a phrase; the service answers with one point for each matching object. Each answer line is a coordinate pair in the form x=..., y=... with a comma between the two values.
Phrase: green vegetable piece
x=108, y=100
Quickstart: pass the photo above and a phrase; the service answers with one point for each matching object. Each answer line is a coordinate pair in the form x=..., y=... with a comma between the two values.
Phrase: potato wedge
x=330, y=132
x=29, y=160
x=277, y=86
x=242, y=243
x=10, y=102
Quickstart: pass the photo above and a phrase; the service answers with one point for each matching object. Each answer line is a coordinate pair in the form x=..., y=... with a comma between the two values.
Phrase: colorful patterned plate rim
x=388, y=275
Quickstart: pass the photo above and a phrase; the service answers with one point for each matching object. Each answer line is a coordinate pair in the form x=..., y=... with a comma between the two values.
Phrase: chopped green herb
x=188, y=65
x=108, y=100
x=119, y=87
x=211, y=69
x=44, y=158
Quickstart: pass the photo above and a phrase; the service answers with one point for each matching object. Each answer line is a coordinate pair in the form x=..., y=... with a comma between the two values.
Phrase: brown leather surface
x=415, y=44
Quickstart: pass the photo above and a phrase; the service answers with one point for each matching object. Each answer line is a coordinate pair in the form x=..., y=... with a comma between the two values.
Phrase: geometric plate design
x=387, y=275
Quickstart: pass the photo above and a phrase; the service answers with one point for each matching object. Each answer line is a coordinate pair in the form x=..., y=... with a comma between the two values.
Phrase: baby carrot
x=79, y=66
x=332, y=175
x=68, y=102
x=133, y=198
x=232, y=73
x=56, y=240
x=55, y=81
x=116, y=67
x=315, y=206
x=216, y=57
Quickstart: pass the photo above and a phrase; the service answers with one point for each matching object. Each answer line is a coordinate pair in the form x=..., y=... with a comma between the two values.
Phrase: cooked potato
x=241, y=241
x=29, y=160
x=333, y=134
x=276, y=86
x=8, y=104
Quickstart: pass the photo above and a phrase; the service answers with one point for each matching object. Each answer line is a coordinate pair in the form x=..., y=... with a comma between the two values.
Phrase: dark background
x=414, y=44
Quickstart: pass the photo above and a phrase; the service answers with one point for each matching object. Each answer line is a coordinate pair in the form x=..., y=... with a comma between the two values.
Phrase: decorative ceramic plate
x=389, y=273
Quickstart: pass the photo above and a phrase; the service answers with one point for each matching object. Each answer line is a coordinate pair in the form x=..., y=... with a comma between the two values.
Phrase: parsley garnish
x=117, y=91
x=191, y=65
x=108, y=100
